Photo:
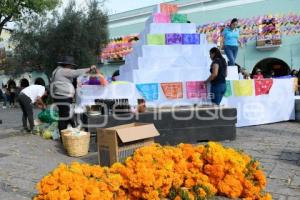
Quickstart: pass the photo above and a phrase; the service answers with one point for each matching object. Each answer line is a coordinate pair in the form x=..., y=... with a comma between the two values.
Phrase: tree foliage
x=82, y=34
x=13, y=10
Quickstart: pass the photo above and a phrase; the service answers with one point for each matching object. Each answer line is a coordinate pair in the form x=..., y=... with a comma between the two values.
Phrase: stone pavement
x=25, y=159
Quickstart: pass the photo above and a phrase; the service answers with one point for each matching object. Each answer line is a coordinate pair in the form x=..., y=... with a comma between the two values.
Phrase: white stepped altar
x=167, y=74
x=149, y=63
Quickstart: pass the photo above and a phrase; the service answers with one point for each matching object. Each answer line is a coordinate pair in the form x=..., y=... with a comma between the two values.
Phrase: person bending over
x=31, y=95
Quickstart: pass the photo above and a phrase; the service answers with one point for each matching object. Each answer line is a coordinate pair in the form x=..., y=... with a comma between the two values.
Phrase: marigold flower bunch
x=184, y=172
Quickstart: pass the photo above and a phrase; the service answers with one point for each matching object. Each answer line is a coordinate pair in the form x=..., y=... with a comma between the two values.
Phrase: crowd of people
x=63, y=91
x=217, y=79
x=218, y=70
x=8, y=93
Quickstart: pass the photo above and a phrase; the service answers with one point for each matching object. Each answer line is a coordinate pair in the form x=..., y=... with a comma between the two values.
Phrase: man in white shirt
x=28, y=96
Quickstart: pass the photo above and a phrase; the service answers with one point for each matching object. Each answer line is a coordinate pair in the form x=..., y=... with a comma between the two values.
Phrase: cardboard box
x=115, y=144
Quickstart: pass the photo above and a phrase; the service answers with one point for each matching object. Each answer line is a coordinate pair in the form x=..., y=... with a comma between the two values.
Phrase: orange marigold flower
x=260, y=177
x=202, y=193
x=189, y=183
x=215, y=171
x=156, y=172
x=76, y=194
x=231, y=187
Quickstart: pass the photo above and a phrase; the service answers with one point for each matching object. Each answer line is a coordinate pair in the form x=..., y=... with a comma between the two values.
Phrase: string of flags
x=199, y=89
x=286, y=24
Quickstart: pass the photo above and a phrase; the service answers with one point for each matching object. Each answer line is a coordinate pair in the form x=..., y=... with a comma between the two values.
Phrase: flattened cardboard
x=136, y=132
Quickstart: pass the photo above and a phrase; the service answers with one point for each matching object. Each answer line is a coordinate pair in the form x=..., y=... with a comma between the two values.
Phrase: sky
x=117, y=6
x=114, y=6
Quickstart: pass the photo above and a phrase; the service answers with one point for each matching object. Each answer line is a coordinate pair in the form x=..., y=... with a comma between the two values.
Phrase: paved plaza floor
x=25, y=158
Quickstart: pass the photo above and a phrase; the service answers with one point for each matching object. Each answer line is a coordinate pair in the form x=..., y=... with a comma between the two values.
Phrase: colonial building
x=32, y=75
x=254, y=15
x=27, y=78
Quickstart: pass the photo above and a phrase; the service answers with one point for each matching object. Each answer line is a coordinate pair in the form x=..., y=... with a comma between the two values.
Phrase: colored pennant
x=161, y=18
x=149, y=91
x=263, y=86
x=196, y=90
x=168, y=8
x=173, y=38
x=119, y=82
x=179, y=18
x=243, y=88
x=191, y=38
x=256, y=29
x=156, y=39
x=172, y=90
x=228, y=92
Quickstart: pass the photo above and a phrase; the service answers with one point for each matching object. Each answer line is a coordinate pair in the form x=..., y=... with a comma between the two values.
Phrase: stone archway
x=268, y=65
x=40, y=81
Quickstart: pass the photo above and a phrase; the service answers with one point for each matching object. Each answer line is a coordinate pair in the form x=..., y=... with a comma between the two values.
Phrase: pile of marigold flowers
x=185, y=172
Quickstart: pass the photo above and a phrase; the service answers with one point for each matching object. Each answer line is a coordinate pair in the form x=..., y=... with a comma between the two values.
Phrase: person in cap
x=29, y=96
x=63, y=91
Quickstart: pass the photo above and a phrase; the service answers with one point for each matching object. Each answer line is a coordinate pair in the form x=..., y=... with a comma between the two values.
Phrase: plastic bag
x=55, y=134
x=53, y=128
x=48, y=131
x=74, y=131
x=47, y=134
x=48, y=116
x=39, y=129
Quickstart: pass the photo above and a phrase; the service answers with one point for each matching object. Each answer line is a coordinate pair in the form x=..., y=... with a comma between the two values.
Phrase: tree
x=13, y=10
x=42, y=41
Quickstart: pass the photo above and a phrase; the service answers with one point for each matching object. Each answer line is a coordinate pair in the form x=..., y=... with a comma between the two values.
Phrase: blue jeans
x=4, y=99
x=231, y=53
x=217, y=91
